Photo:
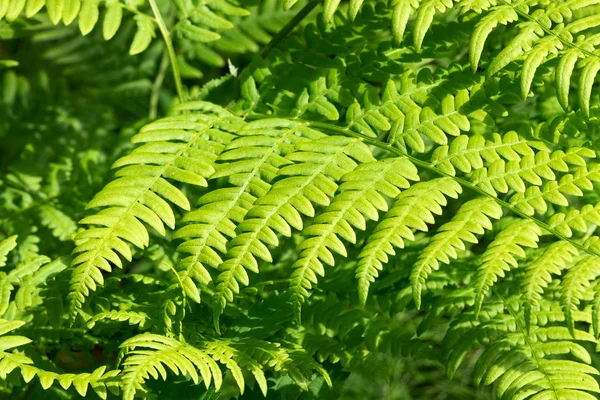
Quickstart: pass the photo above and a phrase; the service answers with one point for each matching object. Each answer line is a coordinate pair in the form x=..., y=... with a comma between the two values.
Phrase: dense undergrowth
x=204, y=199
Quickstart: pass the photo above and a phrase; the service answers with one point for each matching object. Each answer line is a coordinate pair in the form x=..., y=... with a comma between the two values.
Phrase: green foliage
x=301, y=199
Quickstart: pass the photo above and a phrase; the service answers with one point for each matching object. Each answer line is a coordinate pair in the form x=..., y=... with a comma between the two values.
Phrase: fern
x=370, y=199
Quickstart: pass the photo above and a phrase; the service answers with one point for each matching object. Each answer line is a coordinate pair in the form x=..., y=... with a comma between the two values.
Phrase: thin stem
x=289, y=27
x=170, y=50
x=157, y=85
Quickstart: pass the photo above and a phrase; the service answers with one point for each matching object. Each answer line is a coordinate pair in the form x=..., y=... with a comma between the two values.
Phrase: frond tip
x=472, y=218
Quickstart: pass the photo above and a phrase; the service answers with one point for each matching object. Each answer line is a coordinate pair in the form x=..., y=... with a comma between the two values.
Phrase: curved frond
x=500, y=256
x=472, y=218
x=178, y=148
x=311, y=179
x=414, y=208
x=359, y=199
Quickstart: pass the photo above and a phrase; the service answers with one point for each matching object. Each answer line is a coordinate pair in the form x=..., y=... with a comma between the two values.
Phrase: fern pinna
x=299, y=199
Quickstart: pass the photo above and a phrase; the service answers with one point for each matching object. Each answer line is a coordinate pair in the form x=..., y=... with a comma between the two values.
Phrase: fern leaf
x=402, y=12
x=556, y=257
x=502, y=15
x=62, y=226
x=6, y=246
x=148, y=354
x=318, y=164
x=88, y=16
x=359, y=199
x=586, y=82
x=413, y=209
x=112, y=19
x=564, y=71
x=514, y=49
x=250, y=162
x=500, y=255
x=576, y=280
x=471, y=218
x=177, y=148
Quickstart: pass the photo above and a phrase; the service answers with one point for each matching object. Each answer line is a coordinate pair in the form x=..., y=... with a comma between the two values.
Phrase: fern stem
x=463, y=182
x=170, y=49
x=157, y=85
x=289, y=27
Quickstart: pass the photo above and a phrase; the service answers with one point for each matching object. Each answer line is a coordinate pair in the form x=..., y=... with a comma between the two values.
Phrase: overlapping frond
x=548, y=361
x=472, y=218
x=538, y=275
x=500, y=256
x=99, y=380
x=180, y=148
x=151, y=356
x=250, y=162
x=311, y=179
x=414, y=208
x=547, y=32
x=360, y=198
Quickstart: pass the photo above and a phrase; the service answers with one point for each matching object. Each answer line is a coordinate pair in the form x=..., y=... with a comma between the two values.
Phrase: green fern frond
x=146, y=356
x=413, y=209
x=250, y=162
x=499, y=257
x=472, y=218
x=360, y=198
x=149, y=355
x=576, y=280
x=26, y=274
x=524, y=364
x=318, y=165
x=62, y=226
x=556, y=257
x=132, y=317
x=99, y=379
x=6, y=246
x=179, y=148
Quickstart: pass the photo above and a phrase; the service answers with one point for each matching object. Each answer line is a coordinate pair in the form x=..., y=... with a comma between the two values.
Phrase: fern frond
x=6, y=246
x=62, y=226
x=404, y=119
x=318, y=165
x=499, y=257
x=535, y=199
x=99, y=379
x=576, y=280
x=556, y=257
x=250, y=162
x=180, y=148
x=467, y=153
x=545, y=34
x=23, y=275
x=472, y=218
x=524, y=365
x=413, y=209
x=360, y=198
x=132, y=317
x=87, y=12
x=148, y=354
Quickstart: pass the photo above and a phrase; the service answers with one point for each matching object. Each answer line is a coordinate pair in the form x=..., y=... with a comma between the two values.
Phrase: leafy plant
x=289, y=199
